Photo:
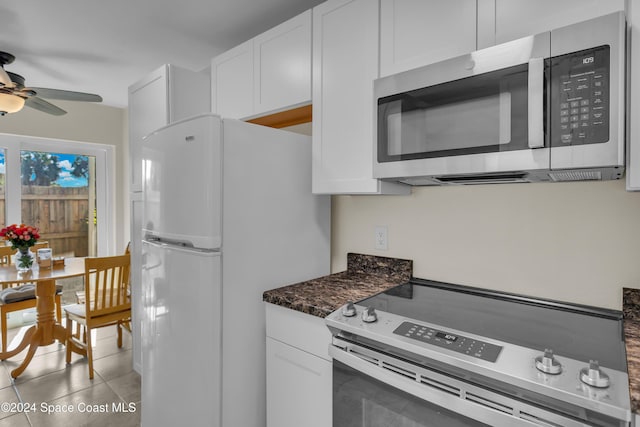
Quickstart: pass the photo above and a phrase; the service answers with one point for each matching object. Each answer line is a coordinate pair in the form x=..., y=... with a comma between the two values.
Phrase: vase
x=24, y=260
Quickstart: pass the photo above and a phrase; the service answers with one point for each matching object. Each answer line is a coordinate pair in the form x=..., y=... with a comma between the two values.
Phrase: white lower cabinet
x=299, y=369
x=296, y=387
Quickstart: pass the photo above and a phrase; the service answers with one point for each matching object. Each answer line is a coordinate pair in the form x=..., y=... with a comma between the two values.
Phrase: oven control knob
x=369, y=315
x=548, y=364
x=349, y=310
x=593, y=375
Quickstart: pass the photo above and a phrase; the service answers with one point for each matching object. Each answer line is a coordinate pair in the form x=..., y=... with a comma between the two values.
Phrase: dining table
x=47, y=328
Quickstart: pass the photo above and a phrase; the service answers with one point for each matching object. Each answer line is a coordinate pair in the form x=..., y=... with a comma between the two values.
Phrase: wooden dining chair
x=107, y=302
x=80, y=296
x=20, y=295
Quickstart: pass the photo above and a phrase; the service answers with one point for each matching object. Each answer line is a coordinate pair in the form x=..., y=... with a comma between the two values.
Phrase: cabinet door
x=148, y=110
x=189, y=93
x=345, y=63
x=521, y=18
x=282, y=58
x=419, y=32
x=299, y=388
x=232, y=82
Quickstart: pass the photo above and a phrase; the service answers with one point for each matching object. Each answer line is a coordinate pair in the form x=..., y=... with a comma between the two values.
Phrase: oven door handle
x=536, y=103
x=445, y=399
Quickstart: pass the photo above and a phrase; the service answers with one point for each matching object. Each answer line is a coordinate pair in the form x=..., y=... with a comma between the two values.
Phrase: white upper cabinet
x=345, y=63
x=520, y=18
x=232, y=82
x=148, y=110
x=269, y=73
x=166, y=95
x=282, y=60
x=414, y=33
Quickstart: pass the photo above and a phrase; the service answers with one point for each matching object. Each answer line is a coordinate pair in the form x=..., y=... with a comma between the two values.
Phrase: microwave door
x=474, y=114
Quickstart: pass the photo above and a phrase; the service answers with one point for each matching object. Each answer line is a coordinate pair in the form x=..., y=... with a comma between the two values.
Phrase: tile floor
x=49, y=384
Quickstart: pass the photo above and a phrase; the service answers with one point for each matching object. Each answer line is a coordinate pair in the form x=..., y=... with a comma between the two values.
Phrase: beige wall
x=84, y=122
x=576, y=242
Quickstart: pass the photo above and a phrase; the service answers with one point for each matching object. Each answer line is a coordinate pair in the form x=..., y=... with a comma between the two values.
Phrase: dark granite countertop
x=631, y=310
x=366, y=275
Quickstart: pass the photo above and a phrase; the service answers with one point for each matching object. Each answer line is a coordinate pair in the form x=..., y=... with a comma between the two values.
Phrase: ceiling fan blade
x=44, y=106
x=65, y=95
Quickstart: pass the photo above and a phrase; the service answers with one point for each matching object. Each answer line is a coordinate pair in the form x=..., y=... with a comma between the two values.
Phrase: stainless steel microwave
x=549, y=107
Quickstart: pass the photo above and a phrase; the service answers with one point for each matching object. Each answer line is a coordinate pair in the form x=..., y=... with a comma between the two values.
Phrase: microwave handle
x=536, y=103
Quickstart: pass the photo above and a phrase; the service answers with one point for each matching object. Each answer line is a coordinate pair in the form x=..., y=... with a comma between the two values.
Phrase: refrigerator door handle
x=177, y=246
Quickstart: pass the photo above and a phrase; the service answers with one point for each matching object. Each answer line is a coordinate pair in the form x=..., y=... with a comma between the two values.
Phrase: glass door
x=59, y=197
x=65, y=188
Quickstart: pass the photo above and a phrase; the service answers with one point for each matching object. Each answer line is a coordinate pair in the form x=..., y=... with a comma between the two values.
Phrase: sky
x=65, y=178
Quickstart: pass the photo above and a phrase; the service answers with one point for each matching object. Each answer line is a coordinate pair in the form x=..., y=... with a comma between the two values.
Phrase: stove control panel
x=458, y=343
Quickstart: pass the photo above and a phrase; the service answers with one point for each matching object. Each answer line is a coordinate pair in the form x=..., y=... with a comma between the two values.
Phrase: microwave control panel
x=580, y=97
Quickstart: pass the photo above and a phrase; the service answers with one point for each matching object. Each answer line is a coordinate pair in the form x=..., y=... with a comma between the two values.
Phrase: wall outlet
x=380, y=236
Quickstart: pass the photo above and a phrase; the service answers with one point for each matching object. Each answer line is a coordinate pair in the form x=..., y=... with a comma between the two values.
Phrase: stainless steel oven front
x=551, y=101
x=492, y=359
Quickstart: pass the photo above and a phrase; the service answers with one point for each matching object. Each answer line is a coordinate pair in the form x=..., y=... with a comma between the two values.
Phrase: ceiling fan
x=14, y=95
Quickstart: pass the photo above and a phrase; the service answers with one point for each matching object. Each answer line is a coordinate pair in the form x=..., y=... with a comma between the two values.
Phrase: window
x=63, y=188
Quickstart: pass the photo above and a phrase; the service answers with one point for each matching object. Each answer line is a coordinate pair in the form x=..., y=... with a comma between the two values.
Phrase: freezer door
x=182, y=182
x=181, y=336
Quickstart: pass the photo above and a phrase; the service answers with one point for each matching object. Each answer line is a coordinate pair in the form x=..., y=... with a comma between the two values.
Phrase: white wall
x=84, y=122
x=577, y=242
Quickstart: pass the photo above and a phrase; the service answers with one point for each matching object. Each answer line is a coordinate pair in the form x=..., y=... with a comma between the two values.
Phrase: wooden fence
x=61, y=214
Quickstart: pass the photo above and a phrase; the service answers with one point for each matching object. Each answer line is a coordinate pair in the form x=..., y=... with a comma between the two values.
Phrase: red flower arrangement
x=21, y=236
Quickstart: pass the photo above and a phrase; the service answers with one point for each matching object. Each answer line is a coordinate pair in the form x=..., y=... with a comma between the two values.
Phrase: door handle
x=536, y=103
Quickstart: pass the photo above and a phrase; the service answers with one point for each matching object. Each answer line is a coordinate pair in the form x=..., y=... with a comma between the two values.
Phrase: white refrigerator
x=228, y=214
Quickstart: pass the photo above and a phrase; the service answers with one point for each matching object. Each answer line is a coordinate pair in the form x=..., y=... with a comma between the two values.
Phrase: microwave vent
x=577, y=175
x=496, y=178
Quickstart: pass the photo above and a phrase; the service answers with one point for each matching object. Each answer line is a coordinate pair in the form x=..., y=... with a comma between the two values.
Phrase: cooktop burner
x=579, y=332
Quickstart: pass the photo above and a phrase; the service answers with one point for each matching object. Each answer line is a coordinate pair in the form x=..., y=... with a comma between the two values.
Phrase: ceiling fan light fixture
x=10, y=103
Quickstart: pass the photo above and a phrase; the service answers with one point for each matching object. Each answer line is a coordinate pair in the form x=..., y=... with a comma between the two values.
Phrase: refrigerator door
x=181, y=336
x=182, y=170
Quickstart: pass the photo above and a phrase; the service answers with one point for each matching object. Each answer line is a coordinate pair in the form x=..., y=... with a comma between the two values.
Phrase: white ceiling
x=102, y=47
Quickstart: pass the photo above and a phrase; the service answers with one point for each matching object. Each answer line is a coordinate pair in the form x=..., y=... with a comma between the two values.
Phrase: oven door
x=363, y=401
x=373, y=389
x=477, y=113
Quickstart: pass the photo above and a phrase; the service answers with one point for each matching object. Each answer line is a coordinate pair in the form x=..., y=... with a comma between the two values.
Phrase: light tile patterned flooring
x=52, y=385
